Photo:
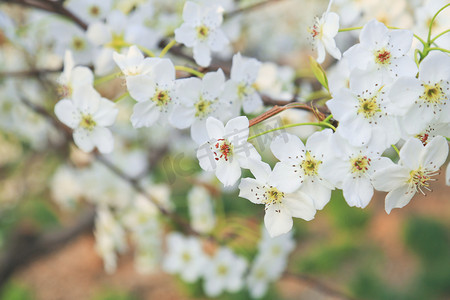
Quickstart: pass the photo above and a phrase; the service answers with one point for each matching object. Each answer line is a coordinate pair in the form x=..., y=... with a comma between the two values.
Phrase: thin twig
x=249, y=8
x=27, y=73
x=319, y=286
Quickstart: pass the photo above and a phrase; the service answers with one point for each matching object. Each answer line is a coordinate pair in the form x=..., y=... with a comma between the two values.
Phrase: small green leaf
x=319, y=73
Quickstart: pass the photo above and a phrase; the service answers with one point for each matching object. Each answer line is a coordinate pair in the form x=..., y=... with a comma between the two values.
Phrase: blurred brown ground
x=76, y=271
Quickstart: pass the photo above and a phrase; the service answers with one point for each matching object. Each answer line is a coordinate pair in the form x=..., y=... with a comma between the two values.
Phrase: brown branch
x=249, y=8
x=26, y=73
x=277, y=109
x=26, y=245
x=50, y=6
x=319, y=286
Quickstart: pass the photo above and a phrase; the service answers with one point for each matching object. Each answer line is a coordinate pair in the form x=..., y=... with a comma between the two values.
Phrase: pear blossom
x=73, y=77
x=262, y=272
x=88, y=114
x=185, y=257
x=224, y=272
x=115, y=34
x=366, y=115
x=155, y=93
x=301, y=166
x=198, y=100
x=133, y=62
x=201, y=210
x=383, y=51
x=413, y=173
x=323, y=32
x=227, y=150
x=89, y=10
x=240, y=90
x=351, y=169
x=109, y=238
x=201, y=31
x=426, y=98
x=280, y=205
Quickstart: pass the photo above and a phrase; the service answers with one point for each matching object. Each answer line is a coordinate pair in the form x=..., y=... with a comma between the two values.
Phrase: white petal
x=236, y=130
x=164, y=71
x=390, y=178
x=217, y=40
x=186, y=35
x=191, y=12
x=410, y=153
x=252, y=103
x=86, y=99
x=357, y=191
x=404, y=92
x=228, y=172
x=199, y=131
x=98, y=33
x=300, y=206
x=398, y=198
x=141, y=87
x=260, y=170
x=435, y=153
x=145, y=114
x=103, y=139
x=435, y=67
x=287, y=147
x=82, y=139
x=401, y=41
x=215, y=128
x=82, y=76
x=250, y=189
x=206, y=157
x=277, y=220
x=67, y=113
x=285, y=177
x=331, y=26
x=213, y=83
x=106, y=113
x=374, y=34
x=318, y=192
x=182, y=117
x=202, y=54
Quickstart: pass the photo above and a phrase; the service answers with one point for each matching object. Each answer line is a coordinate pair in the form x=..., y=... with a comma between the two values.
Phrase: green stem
x=439, y=49
x=106, y=78
x=432, y=21
x=146, y=51
x=167, y=48
x=320, y=124
x=439, y=35
x=396, y=149
x=448, y=139
x=189, y=70
x=350, y=29
x=327, y=119
x=121, y=97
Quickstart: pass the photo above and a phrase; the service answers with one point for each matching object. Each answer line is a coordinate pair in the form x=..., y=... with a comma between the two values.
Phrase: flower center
x=368, y=107
x=243, y=90
x=202, y=32
x=186, y=257
x=420, y=179
x=360, y=164
x=117, y=42
x=161, y=98
x=316, y=29
x=273, y=196
x=222, y=149
x=382, y=56
x=64, y=91
x=78, y=43
x=433, y=94
x=222, y=270
x=87, y=122
x=94, y=10
x=203, y=108
x=310, y=165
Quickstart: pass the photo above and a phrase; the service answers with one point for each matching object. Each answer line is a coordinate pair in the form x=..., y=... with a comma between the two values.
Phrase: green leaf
x=319, y=73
